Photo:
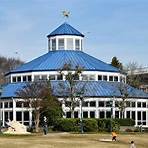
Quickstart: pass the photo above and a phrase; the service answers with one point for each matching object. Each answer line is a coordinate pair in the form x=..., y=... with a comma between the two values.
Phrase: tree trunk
x=37, y=121
x=72, y=113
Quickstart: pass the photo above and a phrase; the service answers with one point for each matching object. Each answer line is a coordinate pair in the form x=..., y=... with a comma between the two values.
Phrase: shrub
x=66, y=125
x=90, y=125
x=126, y=122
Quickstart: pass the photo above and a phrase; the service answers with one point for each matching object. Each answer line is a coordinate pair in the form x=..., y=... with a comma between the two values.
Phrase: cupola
x=65, y=37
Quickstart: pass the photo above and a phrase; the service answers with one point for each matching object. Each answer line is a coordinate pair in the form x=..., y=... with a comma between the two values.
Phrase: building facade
x=65, y=45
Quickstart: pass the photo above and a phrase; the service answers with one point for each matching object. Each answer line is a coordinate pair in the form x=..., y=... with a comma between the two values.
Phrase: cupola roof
x=65, y=29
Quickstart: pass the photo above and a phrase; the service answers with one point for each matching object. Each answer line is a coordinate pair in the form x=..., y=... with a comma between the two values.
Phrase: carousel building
x=65, y=45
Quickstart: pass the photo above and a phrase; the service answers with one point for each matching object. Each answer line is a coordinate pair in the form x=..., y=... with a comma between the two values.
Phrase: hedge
x=125, y=122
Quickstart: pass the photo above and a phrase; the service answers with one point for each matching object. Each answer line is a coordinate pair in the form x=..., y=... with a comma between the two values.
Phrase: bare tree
x=124, y=98
x=39, y=97
x=70, y=90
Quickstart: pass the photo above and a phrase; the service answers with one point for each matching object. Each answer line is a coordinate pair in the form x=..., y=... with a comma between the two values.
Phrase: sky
x=111, y=27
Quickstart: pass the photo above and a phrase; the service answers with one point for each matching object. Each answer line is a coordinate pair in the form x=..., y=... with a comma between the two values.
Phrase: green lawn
x=67, y=140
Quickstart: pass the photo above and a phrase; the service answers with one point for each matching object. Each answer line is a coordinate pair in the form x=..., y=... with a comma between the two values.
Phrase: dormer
x=65, y=37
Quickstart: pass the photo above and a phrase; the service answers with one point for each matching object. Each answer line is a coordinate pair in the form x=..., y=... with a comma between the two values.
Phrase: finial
x=66, y=13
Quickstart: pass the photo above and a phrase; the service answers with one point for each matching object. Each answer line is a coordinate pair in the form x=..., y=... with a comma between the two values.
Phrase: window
x=85, y=114
x=139, y=115
x=49, y=44
x=67, y=104
x=24, y=78
x=144, y=115
x=69, y=43
x=101, y=103
x=29, y=78
x=19, y=79
x=91, y=77
x=81, y=44
x=52, y=77
x=44, y=77
x=128, y=114
x=6, y=116
x=1, y=105
x=110, y=78
x=104, y=78
x=115, y=78
x=133, y=104
x=36, y=77
x=133, y=115
x=6, y=104
x=138, y=104
x=101, y=114
x=13, y=79
x=10, y=104
x=108, y=104
x=108, y=114
x=143, y=104
x=11, y=116
x=60, y=77
x=53, y=44
x=99, y=77
x=61, y=43
x=77, y=44
x=26, y=116
x=116, y=114
x=127, y=104
x=19, y=116
x=68, y=114
x=92, y=114
x=85, y=104
x=18, y=104
x=75, y=114
x=92, y=103
x=84, y=77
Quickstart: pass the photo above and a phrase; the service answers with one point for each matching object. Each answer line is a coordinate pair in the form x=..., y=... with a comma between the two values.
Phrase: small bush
x=90, y=125
x=125, y=122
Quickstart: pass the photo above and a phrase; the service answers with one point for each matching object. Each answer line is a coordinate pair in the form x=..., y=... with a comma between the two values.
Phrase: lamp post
x=81, y=115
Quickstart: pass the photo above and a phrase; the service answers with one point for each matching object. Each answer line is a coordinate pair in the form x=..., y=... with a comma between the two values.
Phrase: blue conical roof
x=55, y=60
x=65, y=29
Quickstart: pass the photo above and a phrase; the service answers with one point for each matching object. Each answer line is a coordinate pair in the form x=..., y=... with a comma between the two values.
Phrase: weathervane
x=66, y=13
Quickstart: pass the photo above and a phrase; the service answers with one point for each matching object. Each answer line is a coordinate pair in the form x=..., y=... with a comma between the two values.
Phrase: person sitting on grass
x=114, y=136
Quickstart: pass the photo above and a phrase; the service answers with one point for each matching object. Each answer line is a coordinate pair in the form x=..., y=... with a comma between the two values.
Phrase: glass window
x=143, y=104
x=19, y=79
x=138, y=104
x=139, y=115
x=108, y=114
x=108, y=104
x=53, y=44
x=6, y=104
x=18, y=104
x=1, y=105
x=101, y=113
x=60, y=77
x=75, y=114
x=115, y=78
x=19, y=116
x=92, y=114
x=69, y=43
x=49, y=44
x=116, y=114
x=91, y=77
x=99, y=77
x=61, y=43
x=11, y=116
x=26, y=116
x=127, y=104
x=67, y=104
x=13, y=79
x=29, y=78
x=36, y=77
x=133, y=115
x=44, y=77
x=85, y=114
x=84, y=77
x=92, y=103
x=101, y=103
x=85, y=103
x=10, y=104
x=110, y=78
x=128, y=114
x=133, y=104
x=77, y=44
x=81, y=44
x=51, y=77
x=24, y=78
x=104, y=78
x=6, y=116
x=68, y=114
x=144, y=115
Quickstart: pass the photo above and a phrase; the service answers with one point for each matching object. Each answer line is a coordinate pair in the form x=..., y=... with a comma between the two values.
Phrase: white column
x=74, y=47
x=97, y=113
x=3, y=114
x=30, y=118
x=65, y=43
x=14, y=109
x=22, y=117
x=57, y=44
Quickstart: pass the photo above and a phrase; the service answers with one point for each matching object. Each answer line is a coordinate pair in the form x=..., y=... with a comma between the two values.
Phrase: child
x=114, y=136
x=132, y=145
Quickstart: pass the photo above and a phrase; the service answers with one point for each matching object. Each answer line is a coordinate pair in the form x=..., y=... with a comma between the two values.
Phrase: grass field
x=67, y=140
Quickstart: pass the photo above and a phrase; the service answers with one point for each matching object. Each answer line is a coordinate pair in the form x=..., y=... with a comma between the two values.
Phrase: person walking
x=45, y=126
x=114, y=136
x=132, y=145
